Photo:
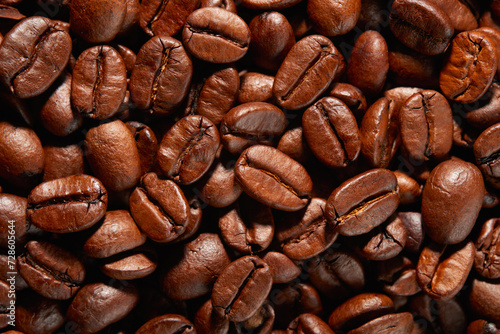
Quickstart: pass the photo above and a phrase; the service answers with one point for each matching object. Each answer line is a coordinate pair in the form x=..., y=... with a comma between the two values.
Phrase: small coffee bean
x=282, y=268
x=333, y=18
x=165, y=18
x=351, y=95
x=147, y=144
x=130, y=265
x=255, y=87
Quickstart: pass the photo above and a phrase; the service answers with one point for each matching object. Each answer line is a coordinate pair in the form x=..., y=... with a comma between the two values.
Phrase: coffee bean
x=488, y=249
x=13, y=212
x=130, y=265
x=293, y=143
x=147, y=144
x=488, y=114
x=461, y=14
x=412, y=222
x=398, y=276
x=36, y=314
x=269, y=4
x=225, y=4
x=208, y=321
x=483, y=299
x=487, y=153
x=168, y=323
x=70, y=204
x=283, y=269
x=255, y=87
x=333, y=18
x=351, y=95
x=481, y=327
x=161, y=18
x=308, y=323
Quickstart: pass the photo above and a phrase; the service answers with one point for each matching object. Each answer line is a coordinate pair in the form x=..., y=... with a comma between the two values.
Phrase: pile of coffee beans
x=250, y=166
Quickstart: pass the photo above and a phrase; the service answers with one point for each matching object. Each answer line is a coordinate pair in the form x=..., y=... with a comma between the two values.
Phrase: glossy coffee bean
x=130, y=265
x=113, y=156
x=483, y=299
x=242, y=288
x=442, y=270
x=409, y=189
x=251, y=124
x=488, y=249
x=421, y=25
x=216, y=35
x=188, y=149
x=399, y=323
x=99, y=82
x=51, y=271
x=283, y=269
x=161, y=18
x=293, y=143
x=462, y=14
x=273, y=178
x=472, y=54
x=70, y=204
x=398, y=276
x=33, y=54
x=351, y=95
x=363, y=202
x=147, y=144
x=161, y=76
x=487, y=153
x=333, y=18
x=13, y=214
x=308, y=323
x=451, y=184
x=306, y=72
x=168, y=323
x=255, y=87
x=413, y=225
x=207, y=321
x=331, y=132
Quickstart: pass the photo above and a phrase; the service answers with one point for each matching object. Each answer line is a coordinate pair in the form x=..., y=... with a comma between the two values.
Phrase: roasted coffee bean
x=261, y=322
x=399, y=323
x=269, y=4
x=251, y=124
x=117, y=233
x=332, y=132
x=70, y=204
x=487, y=153
x=282, y=268
x=21, y=155
x=488, y=114
x=470, y=67
x=308, y=323
x=195, y=218
x=272, y=37
x=225, y=4
x=168, y=323
x=337, y=274
x=129, y=57
x=147, y=144
x=50, y=270
x=409, y=189
x=306, y=72
x=192, y=271
x=487, y=259
x=33, y=54
x=161, y=18
x=114, y=304
x=95, y=21
x=214, y=94
x=13, y=223
x=160, y=208
x=442, y=270
x=398, y=276
x=161, y=76
x=293, y=143
x=461, y=14
x=363, y=202
x=333, y=18
x=35, y=314
x=247, y=226
x=305, y=233
x=207, y=321
x=242, y=288
x=412, y=222
x=113, y=156
x=294, y=300
x=130, y=265
x=369, y=63
x=484, y=301
x=452, y=184
x=188, y=149
x=99, y=82
x=273, y=178
x=255, y=87
x=379, y=132
x=63, y=161
x=216, y=35
x=351, y=95
x=421, y=25
x=482, y=327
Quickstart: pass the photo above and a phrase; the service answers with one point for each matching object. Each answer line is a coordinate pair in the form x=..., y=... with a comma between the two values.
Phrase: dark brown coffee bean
x=188, y=149
x=194, y=221
x=113, y=156
x=363, y=202
x=35, y=314
x=160, y=208
x=408, y=188
x=306, y=72
x=294, y=300
x=21, y=155
x=57, y=114
x=369, y=63
x=260, y=323
x=33, y=54
x=269, y=4
x=63, y=161
x=50, y=270
x=99, y=82
x=10, y=13
x=273, y=178
x=421, y=25
x=147, y=144
x=460, y=12
x=494, y=35
x=487, y=153
x=216, y=35
x=247, y=226
x=399, y=95
x=379, y=132
x=207, y=321
x=70, y=204
x=489, y=113
x=282, y=268
x=114, y=304
x=225, y=4
x=251, y=124
x=482, y=327
x=332, y=132
x=255, y=87
x=129, y=57
x=131, y=17
x=242, y=288
x=130, y=265
x=442, y=270
x=161, y=76
x=470, y=67
x=351, y=95
x=452, y=184
x=305, y=233
x=426, y=126
x=293, y=143
x=337, y=274
x=398, y=276
x=168, y=323
x=413, y=225
x=399, y=323
x=308, y=323
x=272, y=38
x=192, y=272
x=117, y=233
x=332, y=18
x=484, y=301
x=487, y=259
x=95, y=21
x=165, y=18
x=213, y=94
x=13, y=223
